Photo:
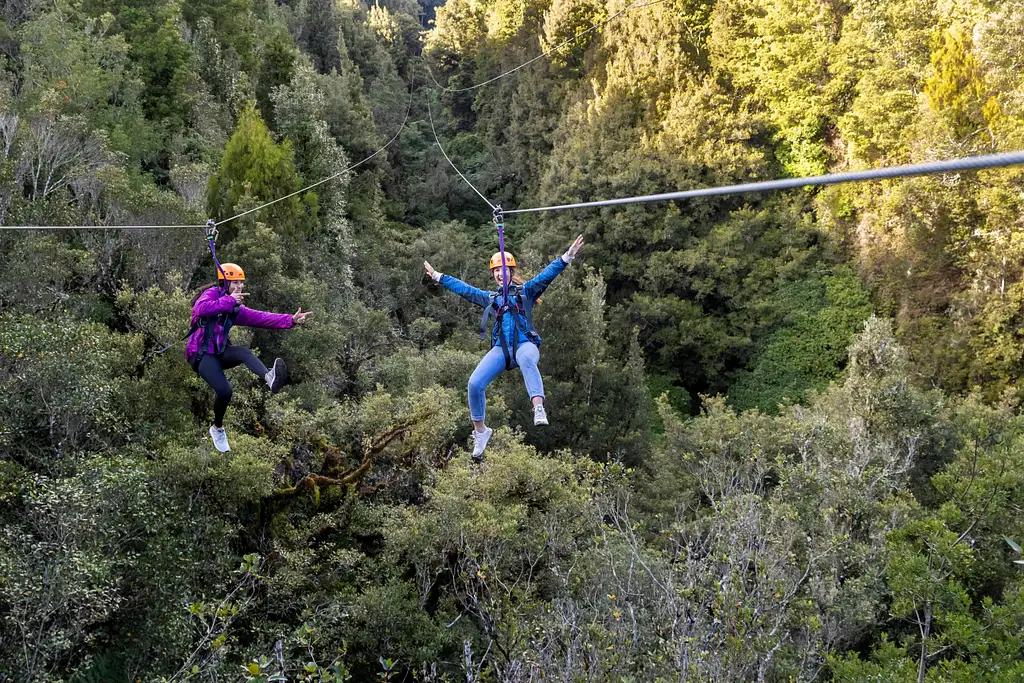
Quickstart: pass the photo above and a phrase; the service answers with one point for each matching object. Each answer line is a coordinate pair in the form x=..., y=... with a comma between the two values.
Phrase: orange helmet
x=510, y=260
x=231, y=271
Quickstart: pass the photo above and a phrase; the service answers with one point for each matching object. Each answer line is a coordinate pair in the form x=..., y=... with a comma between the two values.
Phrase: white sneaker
x=540, y=416
x=276, y=376
x=480, y=440
x=220, y=439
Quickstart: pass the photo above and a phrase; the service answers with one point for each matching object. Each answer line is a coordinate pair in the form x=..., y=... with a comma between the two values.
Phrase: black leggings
x=211, y=368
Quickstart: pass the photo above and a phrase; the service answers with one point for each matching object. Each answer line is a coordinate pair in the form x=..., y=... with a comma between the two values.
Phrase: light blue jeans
x=492, y=365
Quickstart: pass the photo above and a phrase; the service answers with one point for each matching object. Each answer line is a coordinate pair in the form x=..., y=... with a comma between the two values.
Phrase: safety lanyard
x=211, y=236
x=499, y=224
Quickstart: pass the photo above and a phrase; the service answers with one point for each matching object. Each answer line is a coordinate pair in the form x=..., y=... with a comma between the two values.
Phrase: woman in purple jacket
x=210, y=352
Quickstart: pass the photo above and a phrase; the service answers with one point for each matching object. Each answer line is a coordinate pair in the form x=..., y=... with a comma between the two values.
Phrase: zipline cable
x=436, y=139
x=97, y=227
x=582, y=33
x=499, y=221
x=965, y=164
x=226, y=220
x=330, y=177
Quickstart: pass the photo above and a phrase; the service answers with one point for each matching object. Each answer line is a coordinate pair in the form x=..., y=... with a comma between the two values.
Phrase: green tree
x=232, y=20
x=956, y=89
x=808, y=350
x=277, y=65
x=255, y=169
x=158, y=53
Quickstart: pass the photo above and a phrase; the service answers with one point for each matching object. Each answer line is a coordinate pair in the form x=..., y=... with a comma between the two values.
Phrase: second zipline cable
x=556, y=48
x=438, y=141
x=226, y=220
x=330, y=177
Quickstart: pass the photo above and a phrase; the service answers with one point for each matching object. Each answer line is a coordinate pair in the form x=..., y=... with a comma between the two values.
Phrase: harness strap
x=486, y=315
x=209, y=325
x=499, y=224
x=191, y=331
x=204, y=343
x=509, y=353
x=523, y=306
x=528, y=314
x=211, y=236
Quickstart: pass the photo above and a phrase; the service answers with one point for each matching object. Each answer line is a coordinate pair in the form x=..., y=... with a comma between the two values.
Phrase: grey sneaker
x=220, y=439
x=277, y=376
x=480, y=440
x=540, y=416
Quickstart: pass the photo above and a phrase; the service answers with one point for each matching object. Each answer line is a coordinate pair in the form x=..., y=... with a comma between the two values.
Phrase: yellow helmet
x=510, y=260
x=232, y=271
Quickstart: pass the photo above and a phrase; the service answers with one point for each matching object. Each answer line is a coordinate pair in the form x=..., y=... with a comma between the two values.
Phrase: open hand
x=575, y=247
x=430, y=270
x=299, y=318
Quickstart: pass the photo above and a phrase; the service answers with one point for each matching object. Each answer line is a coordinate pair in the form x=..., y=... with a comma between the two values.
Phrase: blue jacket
x=531, y=289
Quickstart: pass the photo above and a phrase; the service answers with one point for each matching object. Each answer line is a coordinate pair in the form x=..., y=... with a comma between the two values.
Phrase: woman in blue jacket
x=514, y=341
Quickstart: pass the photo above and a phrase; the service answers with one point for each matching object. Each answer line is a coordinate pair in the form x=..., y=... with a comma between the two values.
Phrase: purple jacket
x=214, y=302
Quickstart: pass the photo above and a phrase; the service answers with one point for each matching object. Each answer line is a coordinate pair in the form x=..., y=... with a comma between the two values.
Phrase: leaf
x=1013, y=544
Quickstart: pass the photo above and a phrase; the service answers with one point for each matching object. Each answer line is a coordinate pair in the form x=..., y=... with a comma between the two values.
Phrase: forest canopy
x=786, y=428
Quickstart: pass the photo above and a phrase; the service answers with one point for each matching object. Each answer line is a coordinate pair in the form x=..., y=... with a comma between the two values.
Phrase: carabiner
x=211, y=230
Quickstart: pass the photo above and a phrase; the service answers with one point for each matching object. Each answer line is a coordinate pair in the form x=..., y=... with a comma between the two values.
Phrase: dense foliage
x=786, y=438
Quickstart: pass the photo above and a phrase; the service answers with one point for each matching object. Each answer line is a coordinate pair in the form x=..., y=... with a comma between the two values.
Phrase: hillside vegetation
x=785, y=440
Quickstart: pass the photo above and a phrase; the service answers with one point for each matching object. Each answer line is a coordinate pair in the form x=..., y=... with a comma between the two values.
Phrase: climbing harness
x=210, y=322
x=211, y=237
x=209, y=325
x=514, y=301
x=517, y=304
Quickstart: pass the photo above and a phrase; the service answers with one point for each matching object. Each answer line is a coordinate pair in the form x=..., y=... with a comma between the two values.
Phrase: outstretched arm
x=465, y=290
x=211, y=303
x=250, y=317
x=536, y=286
